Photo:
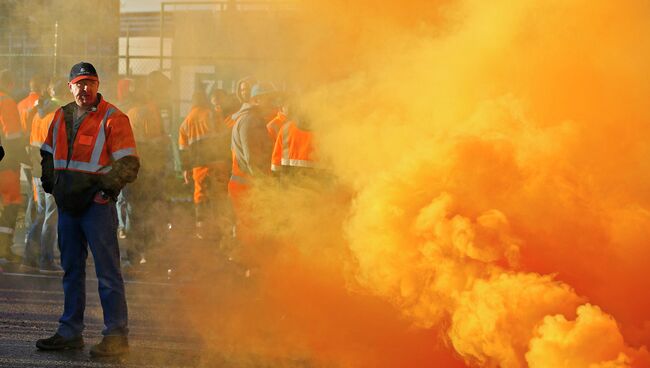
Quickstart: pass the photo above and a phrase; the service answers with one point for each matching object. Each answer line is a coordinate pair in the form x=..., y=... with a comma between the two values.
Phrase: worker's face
x=216, y=100
x=85, y=92
x=245, y=91
x=264, y=101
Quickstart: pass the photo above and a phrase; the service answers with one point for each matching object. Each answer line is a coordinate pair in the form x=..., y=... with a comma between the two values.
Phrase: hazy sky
x=143, y=5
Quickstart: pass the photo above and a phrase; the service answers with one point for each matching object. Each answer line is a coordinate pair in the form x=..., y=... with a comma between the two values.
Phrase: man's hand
x=186, y=176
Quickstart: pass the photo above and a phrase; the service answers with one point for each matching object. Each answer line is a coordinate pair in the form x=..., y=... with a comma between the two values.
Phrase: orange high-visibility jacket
x=11, y=134
x=146, y=123
x=153, y=143
x=9, y=118
x=104, y=136
x=201, y=140
x=293, y=147
x=40, y=126
x=229, y=121
x=26, y=110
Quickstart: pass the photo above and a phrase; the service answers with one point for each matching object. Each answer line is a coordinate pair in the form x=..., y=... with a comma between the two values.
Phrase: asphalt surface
x=30, y=305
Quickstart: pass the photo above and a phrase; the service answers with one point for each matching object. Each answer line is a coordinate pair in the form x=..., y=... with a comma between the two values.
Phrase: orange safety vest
x=10, y=127
x=146, y=123
x=104, y=136
x=26, y=110
x=293, y=147
x=11, y=134
x=40, y=128
x=197, y=126
x=201, y=139
x=229, y=121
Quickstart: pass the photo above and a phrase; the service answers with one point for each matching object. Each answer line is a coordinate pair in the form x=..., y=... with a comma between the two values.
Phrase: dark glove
x=123, y=171
x=110, y=186
x=48, y=185
x=47, y=171
x=2, y=153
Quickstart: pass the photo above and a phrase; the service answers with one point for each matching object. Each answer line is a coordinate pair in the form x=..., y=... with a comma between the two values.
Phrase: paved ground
x=31, y=304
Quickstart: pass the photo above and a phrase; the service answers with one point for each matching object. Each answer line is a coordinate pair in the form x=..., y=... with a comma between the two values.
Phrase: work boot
x=27, y=266
x=58, y=342
x=6, y=255
x=6, y=241
x=51, y=269
x=110, y=346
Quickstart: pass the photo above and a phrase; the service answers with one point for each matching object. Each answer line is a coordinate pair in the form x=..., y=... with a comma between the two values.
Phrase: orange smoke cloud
x=592, y=340
x=495, y=206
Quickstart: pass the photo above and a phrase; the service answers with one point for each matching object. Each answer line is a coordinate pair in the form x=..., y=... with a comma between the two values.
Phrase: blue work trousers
x=96, y=228
x=42, y=232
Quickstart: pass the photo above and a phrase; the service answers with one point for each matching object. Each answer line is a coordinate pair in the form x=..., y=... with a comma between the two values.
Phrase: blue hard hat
x=263, y=88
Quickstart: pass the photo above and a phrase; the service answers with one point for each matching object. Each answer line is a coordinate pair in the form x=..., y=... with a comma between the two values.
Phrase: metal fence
x=225, y=48
x=204, y=43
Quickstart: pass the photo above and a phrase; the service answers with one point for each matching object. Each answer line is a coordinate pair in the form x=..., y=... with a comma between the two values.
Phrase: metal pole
x=56, y=47
x=11, y=49
x=24, y=71
x=128, y=46
x=162, y=30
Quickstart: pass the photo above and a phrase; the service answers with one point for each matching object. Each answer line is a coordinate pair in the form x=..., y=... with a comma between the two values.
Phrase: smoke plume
x=491, y=204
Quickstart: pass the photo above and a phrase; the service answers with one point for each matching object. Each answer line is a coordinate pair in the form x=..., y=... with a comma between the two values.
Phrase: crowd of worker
x=226, y=141
x=81, y=156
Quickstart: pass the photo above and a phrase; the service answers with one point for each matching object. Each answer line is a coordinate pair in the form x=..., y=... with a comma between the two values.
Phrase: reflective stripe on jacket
x=104, y=136
x=102, y=156
x=201, y=139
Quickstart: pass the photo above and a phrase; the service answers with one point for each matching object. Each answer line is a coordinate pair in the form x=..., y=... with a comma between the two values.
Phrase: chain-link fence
x=206, y=43
x=195, y=44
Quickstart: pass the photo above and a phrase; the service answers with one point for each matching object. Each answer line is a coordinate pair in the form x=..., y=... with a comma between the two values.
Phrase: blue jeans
x=96, y=228
x=42, y=232
x=29, y=208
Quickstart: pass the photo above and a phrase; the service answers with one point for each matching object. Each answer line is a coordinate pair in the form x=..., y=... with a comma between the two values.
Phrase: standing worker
x=88, y=156
x=26, y=111
x=26, y=106
x=251, y=152
x=39, y=245
x=204, y=153
x=294, y=147
x=14, y=144
x=144, y=195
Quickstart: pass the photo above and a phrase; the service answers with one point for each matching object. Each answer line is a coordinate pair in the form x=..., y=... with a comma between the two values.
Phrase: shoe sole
x=24, y=268
x=47, y=272
x=95, y=354
x=64, y=347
